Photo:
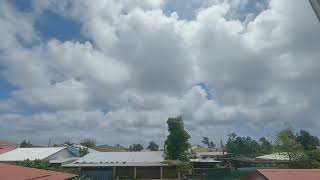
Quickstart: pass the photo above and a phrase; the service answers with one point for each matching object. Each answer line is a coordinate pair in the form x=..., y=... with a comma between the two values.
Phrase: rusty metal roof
x=290, y=174
x=10, y=172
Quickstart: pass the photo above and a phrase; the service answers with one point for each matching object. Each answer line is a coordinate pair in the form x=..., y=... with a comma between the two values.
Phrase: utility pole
x=315, y=4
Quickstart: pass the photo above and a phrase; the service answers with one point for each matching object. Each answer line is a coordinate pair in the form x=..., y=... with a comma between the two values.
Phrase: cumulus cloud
x=141, y=65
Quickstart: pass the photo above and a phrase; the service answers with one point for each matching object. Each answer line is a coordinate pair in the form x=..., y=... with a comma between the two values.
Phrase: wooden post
x=160, y=172
x=114, y=173
x=135, y=172
x=179, y=175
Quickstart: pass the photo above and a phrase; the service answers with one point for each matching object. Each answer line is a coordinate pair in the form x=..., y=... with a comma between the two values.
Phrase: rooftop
x=292, y=174
x=275, y=156
x=152, y=158
x=9, y=172
x=21, y=154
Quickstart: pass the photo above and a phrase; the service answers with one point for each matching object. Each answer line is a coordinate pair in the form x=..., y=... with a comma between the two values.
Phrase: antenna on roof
x=49, y=142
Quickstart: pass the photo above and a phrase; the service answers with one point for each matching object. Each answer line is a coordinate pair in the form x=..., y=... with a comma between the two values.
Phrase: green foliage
x=237, y=145
x=185, y=166
x=177, y=140
x=207, y=142
x=40, y=164
x=265, y=146
x=88, y=142
x=153, y=146
x=300, y=148
x=308, y=141
x=25, y=144
x=136, y=147
x=83, y=151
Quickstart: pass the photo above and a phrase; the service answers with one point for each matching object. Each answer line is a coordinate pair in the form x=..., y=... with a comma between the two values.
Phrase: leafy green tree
x=136, y=147
x=237, y=145
x=265, y=146
x=286, y=142
x=25, y=144
x=153, y=146
x=88, y=142
x=308, y=141
x=207, y=142
x=177, y=143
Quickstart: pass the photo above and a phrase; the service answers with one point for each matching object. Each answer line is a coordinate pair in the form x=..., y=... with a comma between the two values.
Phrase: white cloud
x=143, y=66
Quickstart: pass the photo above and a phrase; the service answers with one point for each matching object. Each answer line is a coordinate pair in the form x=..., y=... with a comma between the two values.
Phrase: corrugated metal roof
x=153, y=158
x=215, y=153
x=208, y=160
x=275, y=156
x=292, y=174
x=10, y=172
x=21, y=154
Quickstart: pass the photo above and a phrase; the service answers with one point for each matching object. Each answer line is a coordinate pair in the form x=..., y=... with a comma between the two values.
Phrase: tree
x=237, y=145
x=25, y=144
x=286, y=142
x=88, y=142
x=207, y=142
x=308, y=141
x=153, y=146
x=265, y=146
x=177, y=143
x=136, y=147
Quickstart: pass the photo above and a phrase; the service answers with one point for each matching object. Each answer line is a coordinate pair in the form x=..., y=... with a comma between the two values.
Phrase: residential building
x=12, y=172
x=6, y=146
x=110, y=165
x=40, y=153
x=284, y=174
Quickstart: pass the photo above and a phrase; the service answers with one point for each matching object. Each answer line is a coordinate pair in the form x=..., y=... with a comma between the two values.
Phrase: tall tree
x=88, y=142
x=287, y=143
x=25, y=144
x=177, y=143
x=308, y=141
x=153, y=146
x=265, y=146
x=207, y=142
x=237, y=145
x=136, y=147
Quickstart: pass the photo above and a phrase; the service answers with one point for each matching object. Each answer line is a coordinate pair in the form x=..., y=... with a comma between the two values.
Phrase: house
x=274, y=157
x=6, y=146
x=110, y=165
x=41, y=153
x=10, y=172
x=284, y=174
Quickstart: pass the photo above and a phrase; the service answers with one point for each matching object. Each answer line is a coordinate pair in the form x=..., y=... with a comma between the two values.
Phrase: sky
x=115, y=70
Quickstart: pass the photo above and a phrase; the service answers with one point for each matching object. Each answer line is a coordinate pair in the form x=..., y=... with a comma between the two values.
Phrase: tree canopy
x=237, y=145
x=177, y=143
x=207, y=142
x=153, y=146
x=136, y=147
x=88, y=142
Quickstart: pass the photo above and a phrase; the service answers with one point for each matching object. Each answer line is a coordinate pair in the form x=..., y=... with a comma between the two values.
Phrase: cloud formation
x=140, y=65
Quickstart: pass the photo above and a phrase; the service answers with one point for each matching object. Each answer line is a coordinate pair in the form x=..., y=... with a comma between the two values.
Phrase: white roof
x=63, y=161
x=21, y=154
x=152, y=158
x=275, y=156
x=215, y=153
x=208, y=160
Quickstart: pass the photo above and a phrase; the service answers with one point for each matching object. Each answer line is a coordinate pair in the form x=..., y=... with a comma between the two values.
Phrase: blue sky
x=81, y=69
